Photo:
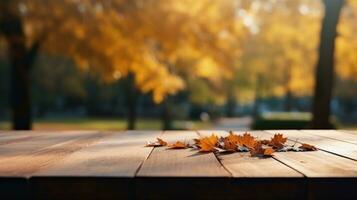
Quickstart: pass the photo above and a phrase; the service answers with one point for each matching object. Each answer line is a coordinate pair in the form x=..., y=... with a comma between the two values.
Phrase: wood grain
x=186, y=174
x=104, y=170
x=42, y=141
x=118, y=155
x=94, y=165
x=334, y=134
x=338, y=147
x=243, y=165
x=29, y=162
x=181, y=162
x=315, y=164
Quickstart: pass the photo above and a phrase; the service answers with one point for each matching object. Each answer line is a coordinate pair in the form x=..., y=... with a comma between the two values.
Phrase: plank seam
x=324, y=150
x=219, y=160
x=147, y=157
x=328, y=137
x=289, y=166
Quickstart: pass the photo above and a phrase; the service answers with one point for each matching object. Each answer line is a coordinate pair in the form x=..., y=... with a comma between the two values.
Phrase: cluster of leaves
x=237, y=143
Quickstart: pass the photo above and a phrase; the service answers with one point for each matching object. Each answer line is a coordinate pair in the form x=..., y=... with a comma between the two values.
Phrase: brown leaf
x=208, y=144
x=158, y=143
x=259, y=150
x=268, y=151
x=308, y=147
x=178, y=145
x=161, y=142
x=196, y=141
x=248, y=141
x=265, y=142
x=231, y=142
x=277, y=141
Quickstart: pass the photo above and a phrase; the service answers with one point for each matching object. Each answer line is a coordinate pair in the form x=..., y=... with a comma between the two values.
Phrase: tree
x=325, y=65
x=145, y=38
x=21, y=59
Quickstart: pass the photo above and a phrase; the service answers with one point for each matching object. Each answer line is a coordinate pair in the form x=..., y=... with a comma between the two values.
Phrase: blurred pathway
x=239, y=123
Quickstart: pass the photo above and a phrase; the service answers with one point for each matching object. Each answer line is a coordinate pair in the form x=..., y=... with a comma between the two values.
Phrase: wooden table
x=116, y=165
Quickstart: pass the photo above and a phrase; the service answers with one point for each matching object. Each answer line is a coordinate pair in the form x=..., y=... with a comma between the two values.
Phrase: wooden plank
x=10, y=137
x=315, y=163
x=329, y=175
x=181, y=163
x=243, y=165
x=13, y=164
x=19, y=159
x=334, y=134
x=167, y=174
x=116, y=156
x=181, y=173
x=268, y=176
x=341, y=148
x=103, y=170
x=26, y=147
x=350, y=131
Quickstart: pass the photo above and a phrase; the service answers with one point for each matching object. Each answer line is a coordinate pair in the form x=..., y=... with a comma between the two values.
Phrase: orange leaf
x=158, y=143
x=308, y=147
x=265, y=142
x=178, y=145
x=268, y=151
x=278, y=141
x=231, y=142
x=258, y=150
x=161, y=142
x=208, y=144
x=248, y=141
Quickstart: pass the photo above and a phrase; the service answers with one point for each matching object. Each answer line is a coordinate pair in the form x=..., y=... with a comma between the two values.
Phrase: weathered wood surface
x=107, y=165
x=339, y=147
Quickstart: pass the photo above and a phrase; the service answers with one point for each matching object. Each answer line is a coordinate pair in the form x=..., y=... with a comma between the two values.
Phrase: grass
x=105, y=124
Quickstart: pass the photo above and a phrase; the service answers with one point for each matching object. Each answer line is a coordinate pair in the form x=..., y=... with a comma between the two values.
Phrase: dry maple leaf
x=248, y=141
x=259, y=150
x=178, y=145
x=162, y=142
x=268, y=151
x=308, y=147
x=277, y=141
x=208, y=144
x=231, y=142
x=158, y=143
x=196, y=141
x=265, y=142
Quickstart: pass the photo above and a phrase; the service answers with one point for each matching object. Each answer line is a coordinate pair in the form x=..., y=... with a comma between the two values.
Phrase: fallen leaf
x=308, y=147
x=277, y=141
x=178, y=145
x=248, y=141
x=231, y=142
x=162, y=142
x=158, y=143
x=196, y=141
x=261, y=151
x=268, y=151
x=208, y=144
x=265, y=142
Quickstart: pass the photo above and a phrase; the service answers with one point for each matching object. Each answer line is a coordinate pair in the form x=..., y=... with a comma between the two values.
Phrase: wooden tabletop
x=117, y=165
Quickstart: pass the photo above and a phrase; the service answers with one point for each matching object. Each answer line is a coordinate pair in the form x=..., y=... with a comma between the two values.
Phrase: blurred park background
x=178, y=64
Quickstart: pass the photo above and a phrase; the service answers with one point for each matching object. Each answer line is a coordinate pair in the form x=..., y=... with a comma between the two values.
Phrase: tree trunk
x=257, y=96
x=325, y=66
x=166, y=114
x=21, y=60
x=230, y=105
x=288, y=93
x=131, y=99
x=288, y=100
